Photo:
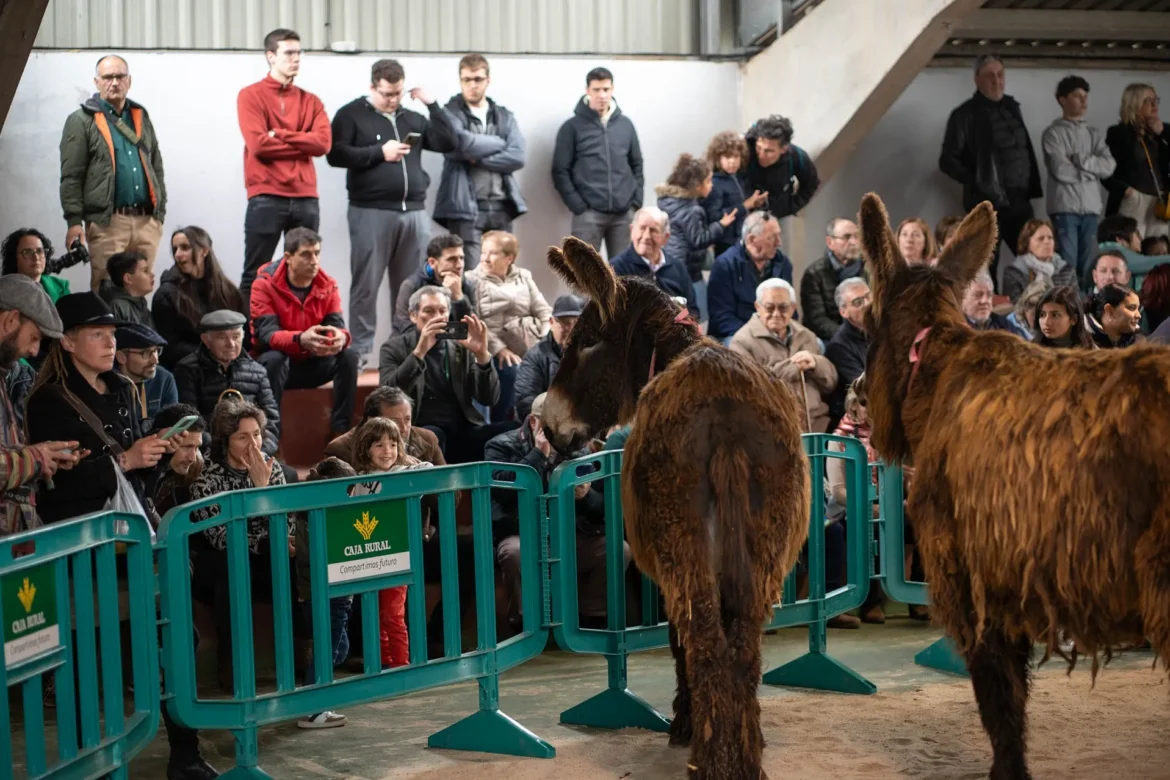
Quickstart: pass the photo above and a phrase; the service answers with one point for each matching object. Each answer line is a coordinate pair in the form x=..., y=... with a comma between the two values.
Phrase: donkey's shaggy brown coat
x=1041, y=499
x=715, y=491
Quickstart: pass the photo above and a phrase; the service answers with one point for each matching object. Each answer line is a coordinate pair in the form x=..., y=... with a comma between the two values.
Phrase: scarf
x=1044, y=270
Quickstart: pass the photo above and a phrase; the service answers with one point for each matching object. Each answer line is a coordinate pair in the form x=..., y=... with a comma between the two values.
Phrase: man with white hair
x=849, y=347
x=646, y=257
x=977, y=299
x=112, y=189
x=789, y=350
x=731, y=289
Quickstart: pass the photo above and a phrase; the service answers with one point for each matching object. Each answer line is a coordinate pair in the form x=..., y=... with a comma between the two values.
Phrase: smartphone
x=453, y=330
x=180, y=426
x=412, y=139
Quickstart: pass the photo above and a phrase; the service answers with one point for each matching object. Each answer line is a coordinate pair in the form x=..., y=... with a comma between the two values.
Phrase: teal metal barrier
x=616, y=706
x=942, y=654
x=56, y=623
x=358, y=546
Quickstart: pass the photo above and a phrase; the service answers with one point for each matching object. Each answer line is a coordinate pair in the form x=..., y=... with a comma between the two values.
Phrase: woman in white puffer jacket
x=513, y=308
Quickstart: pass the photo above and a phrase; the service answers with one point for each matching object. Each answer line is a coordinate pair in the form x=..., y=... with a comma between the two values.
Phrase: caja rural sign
x=369, y=540
x=29, y=601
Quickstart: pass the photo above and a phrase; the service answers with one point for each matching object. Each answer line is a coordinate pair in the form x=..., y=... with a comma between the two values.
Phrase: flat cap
x=135, y=336
x=19, y=293
x=224, y=319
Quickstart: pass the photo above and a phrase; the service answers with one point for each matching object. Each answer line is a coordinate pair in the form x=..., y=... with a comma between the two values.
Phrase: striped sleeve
x=19, y=467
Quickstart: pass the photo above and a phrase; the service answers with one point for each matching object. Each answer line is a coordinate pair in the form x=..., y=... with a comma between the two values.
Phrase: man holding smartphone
x=446, y=368
x=379, y=143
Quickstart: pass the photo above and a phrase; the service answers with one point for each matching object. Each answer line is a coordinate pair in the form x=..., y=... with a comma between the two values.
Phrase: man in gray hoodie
x=1077, y=159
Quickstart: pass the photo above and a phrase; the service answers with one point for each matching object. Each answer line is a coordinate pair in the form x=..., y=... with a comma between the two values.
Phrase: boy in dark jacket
x=131, y=280
x=726, y=154
x=380, y=145
x=597, y=166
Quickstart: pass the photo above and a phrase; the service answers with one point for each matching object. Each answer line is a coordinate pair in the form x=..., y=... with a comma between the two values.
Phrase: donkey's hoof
x=681, y=730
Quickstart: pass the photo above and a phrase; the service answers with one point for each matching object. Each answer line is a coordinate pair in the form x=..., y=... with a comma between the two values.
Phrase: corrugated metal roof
x=1083, y=5
x=667, y=27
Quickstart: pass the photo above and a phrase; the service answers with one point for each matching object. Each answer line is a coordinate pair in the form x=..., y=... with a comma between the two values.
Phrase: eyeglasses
x=868, y=297
x=783, y=308
x=846, y=237
x=111, y=77
x=146, y=354
x=32, y=254
x=473, y=79
x=1153, y=100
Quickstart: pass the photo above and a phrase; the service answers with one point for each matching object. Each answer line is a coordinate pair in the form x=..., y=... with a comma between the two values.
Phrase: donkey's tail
x=730, y=474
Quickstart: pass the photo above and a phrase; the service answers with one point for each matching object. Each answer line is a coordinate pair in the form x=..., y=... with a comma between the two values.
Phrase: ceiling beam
x=19, y=22
x=1060, y=25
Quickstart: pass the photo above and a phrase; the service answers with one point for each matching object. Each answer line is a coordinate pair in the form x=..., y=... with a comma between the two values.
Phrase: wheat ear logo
x=365, y=526
x=26, y=594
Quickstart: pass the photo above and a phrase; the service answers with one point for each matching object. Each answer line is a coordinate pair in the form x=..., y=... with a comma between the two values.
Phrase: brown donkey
x=715, y=490
x=1041, y=498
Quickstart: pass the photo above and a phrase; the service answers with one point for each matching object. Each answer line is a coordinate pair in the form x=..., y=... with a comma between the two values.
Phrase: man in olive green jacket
x=112, y=188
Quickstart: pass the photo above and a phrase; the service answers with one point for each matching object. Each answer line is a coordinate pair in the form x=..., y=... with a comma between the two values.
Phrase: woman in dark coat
x=195, y=285
x=80, y=368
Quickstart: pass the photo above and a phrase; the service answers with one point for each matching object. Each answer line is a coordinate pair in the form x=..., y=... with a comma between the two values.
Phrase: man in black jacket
x=646, y=257
x=818, y=286
x=597, y=166
x=987, y=149
x=782, y=172
x=220, y=364
x=478, y=190
x=541, y=362
x=381, y=143
x=849, y=347
x=444, y=267
x=528, y=446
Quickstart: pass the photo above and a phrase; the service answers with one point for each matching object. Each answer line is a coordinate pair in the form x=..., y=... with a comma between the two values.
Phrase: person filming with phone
x=446, y=367
x=298, y=332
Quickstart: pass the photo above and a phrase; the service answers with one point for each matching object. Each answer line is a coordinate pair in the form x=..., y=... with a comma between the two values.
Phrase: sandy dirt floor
x=1116, y=731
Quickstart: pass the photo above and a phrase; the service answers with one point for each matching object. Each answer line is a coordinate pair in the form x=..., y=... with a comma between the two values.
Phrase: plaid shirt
x=20, y=466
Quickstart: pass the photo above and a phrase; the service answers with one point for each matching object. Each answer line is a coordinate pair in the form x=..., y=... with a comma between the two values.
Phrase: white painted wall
x=898, y=158
x=676, y=105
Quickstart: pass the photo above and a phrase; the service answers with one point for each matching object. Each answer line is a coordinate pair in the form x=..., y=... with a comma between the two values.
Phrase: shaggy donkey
x=1041, y=497
x=715, y=490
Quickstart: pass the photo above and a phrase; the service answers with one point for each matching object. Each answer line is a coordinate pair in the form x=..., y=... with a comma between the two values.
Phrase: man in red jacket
x=297, y=327
x=284, y=128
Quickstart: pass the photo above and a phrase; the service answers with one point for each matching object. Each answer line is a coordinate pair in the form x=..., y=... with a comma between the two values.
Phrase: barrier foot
x=245, y=773
x=820, y=671
x=616, y=709
x=491, y=731
x=943, y=656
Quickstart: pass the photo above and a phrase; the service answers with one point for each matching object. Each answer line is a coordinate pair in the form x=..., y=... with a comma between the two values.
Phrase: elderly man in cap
x=541, y=362
x=220, y=364
x=26, y=316
x=527, y=445
x=137, y=359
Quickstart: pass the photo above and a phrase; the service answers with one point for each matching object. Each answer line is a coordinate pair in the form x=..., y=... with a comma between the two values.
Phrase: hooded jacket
x=279, y=316
x=87, y=162
x=126, y=307
x=359, y=130
x=1077, y=159
x=501, y=150
x=598, y=166
x=691, y=230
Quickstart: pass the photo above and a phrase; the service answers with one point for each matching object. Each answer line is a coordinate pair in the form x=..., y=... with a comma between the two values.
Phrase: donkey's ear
x=578, y=263
x=878, y=244
x=971, y=247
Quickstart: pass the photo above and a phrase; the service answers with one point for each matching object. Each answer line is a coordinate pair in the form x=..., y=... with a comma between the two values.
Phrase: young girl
x=339, y=608
x=378, y=448
x=1060, y=320
x=690, y=230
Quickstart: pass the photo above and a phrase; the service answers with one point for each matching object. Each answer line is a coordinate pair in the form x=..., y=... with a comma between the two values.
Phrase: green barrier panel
x=56, y=623
x=942, y=654
x=343, y=563
x=617, y=707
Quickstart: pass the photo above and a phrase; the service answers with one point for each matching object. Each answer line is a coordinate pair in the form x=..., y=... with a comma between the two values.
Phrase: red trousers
x=392, y=619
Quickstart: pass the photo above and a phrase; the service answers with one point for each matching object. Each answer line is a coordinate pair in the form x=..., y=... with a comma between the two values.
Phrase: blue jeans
x=1076, y=240
x=701, y=299
x=338, y=619
x=503, y=407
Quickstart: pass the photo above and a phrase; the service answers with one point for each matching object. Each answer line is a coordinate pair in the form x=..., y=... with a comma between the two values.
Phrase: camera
x=77, y=254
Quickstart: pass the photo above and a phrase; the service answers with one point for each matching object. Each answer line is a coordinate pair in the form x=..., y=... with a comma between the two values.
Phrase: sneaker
x=322, y=720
